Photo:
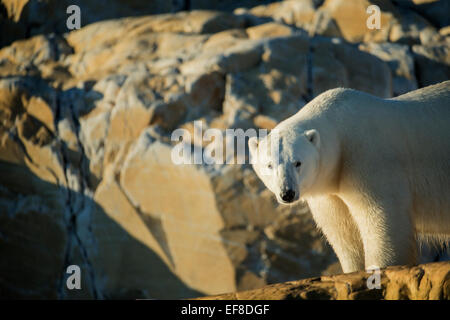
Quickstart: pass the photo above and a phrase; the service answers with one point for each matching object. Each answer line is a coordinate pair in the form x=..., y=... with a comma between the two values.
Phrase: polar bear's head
x=287, y=162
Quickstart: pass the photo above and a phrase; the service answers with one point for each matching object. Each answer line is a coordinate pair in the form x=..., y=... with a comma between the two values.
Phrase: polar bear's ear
x=253, y=144
x=313, y=136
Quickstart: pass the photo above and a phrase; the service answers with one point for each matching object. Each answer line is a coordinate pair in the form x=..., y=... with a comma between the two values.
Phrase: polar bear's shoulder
x=338, y=98
x=334, y=95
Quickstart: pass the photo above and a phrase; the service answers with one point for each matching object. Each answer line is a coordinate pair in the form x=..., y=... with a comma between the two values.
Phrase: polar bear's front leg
x=333, y=218
x=384, y=220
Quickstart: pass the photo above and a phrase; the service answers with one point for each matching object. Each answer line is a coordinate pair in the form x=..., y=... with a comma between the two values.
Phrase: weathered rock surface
x=348, y=19
x=436, y=11
x=86, y=119
x=422, y=282
x=400, y=62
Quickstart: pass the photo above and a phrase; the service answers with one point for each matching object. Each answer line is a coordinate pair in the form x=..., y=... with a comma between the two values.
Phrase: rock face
x=423, y=282
x=86, y=116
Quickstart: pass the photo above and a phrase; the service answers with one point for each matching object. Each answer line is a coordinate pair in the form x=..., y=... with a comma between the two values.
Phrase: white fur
x=375, y=172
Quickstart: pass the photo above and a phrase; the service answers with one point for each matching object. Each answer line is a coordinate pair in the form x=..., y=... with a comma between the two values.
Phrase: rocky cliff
x=86, y=176
x=423, y=282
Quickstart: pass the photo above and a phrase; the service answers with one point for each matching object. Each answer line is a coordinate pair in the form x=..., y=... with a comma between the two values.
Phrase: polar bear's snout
x=288, y=195
x=286, y=179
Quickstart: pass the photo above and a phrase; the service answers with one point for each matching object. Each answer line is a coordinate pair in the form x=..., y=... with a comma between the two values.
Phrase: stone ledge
x=423, y=282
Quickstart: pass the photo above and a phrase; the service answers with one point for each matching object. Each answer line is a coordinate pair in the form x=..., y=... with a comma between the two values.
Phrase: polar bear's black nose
x=288, y=195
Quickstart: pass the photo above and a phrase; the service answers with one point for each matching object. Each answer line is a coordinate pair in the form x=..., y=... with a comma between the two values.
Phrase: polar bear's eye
x=298, y=164
x=269, y=166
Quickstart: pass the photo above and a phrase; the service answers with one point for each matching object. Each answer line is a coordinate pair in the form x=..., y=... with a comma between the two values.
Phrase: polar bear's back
x=438, y=93
x=420, y=116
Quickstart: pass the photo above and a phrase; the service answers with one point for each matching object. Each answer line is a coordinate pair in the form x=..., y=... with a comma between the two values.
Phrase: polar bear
x=375, y=172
